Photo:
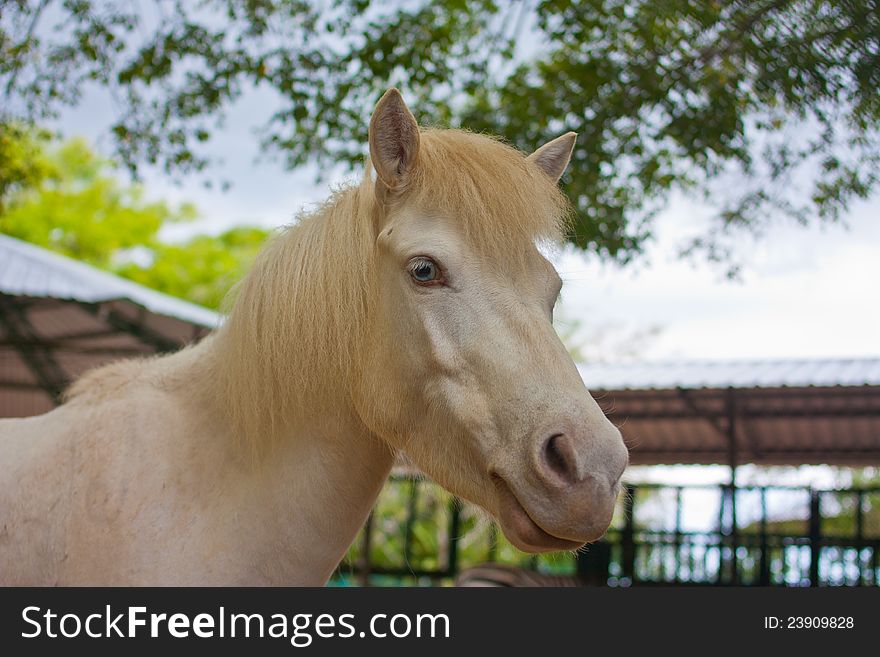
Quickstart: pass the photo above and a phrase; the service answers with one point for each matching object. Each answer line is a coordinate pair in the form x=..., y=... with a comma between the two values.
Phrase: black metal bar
x=875, y=576
x=410, y=518
x=454, y=536
x=733, y=461
x=860, y=531
x=366, y=559
x=722, y=506
x=591, y=564
x=815, y=537
x=764, y=576
x=677, y=559
x=628, y=547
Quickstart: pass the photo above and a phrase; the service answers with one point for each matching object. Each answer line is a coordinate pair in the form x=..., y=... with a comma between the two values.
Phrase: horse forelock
x=502, y=202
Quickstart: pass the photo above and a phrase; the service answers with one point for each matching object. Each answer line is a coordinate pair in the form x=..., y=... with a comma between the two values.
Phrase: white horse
x=410, y=312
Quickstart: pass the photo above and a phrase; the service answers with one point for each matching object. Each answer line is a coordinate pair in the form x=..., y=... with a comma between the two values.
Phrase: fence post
x=764, y=578
x=627, y=539
x=734, y=536
x=592, y=565
x=454, y=531
x=815, y=537
x=366, y=547
x=410, y=518
x=860, y=532
x=677, y=561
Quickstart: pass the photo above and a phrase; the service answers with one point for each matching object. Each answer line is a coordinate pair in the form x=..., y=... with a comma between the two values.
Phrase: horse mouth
x=521, y=529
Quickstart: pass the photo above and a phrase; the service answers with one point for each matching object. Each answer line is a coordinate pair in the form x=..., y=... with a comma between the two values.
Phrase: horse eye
x=424, y=270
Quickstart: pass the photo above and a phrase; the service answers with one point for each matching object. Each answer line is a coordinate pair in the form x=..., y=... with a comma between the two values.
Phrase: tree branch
x=29, y=35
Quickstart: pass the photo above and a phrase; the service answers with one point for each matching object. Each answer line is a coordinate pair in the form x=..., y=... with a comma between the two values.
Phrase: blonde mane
x=254, y=456
x=292, y=340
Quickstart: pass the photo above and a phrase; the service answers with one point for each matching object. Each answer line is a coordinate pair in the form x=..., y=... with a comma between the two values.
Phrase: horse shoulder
x=81, y=483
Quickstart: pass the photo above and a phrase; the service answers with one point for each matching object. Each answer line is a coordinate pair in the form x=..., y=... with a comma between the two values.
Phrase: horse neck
x=309, y=494
x=319, y=469
x=320, y=485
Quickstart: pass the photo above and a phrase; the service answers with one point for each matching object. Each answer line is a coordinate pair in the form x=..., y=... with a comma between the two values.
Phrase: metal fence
x=684, y=535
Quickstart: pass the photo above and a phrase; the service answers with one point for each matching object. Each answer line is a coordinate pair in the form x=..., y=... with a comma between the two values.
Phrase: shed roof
x=764, y=412
x=30, y=271
x=799, y=373
x=60, y=317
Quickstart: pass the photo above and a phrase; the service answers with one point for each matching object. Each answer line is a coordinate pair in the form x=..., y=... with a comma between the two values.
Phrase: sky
x=804, y=292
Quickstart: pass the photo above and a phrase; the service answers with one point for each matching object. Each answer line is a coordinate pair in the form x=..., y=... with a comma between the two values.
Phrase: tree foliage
x=767, y=108
x=23, y=164
x=202, y=269
x=66, y=198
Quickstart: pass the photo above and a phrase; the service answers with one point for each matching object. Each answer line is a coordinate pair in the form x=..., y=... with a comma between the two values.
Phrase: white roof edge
x=804, y=372
x=30, y=270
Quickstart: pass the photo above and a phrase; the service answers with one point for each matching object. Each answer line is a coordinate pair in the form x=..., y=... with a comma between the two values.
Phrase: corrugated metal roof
x=732, y=374
x=767, y=412
x=59, y=318
x=28, y=270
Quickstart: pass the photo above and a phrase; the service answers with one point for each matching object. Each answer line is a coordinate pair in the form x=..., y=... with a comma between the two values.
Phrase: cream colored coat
x=412, y=312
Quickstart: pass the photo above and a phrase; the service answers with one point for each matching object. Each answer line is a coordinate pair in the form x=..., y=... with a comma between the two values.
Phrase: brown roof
x=774, y=426
x=59, y=318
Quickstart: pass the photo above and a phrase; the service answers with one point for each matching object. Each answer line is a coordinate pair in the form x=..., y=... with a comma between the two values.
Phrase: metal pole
x=733, y=458
x=454, y=531
x=627, y=542
x=677, y=561
x=366, y=546
x=765, y=560
x=410, y=518
x=815, y=537
x=860, y=532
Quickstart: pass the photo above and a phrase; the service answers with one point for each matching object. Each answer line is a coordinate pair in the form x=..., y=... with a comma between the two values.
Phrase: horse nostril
x=560, y=459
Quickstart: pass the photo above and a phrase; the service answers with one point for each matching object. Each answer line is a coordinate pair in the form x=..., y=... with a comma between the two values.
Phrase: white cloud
x=805, y=293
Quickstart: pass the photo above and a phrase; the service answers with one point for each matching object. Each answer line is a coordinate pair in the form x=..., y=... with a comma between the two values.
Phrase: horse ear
x=394, y=140
x=554, y=156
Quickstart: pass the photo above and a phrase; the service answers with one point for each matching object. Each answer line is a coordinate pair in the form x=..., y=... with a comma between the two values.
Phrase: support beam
x=620, y=414
x=20, y=385
x=747, y=395
x=138, y=329
x=26, y=343
x=60, y=347
x=696, y=410
x=90, y=334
